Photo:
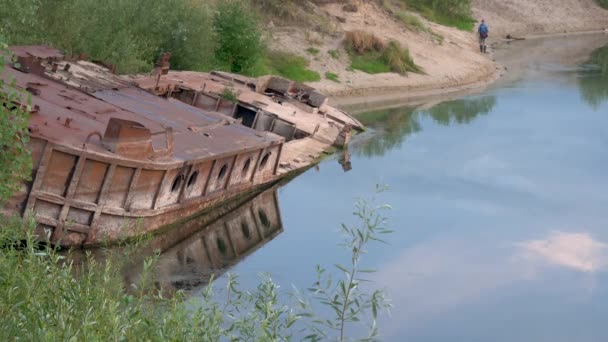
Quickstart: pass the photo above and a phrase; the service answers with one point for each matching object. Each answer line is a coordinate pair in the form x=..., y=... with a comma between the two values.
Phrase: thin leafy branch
x=346, y=297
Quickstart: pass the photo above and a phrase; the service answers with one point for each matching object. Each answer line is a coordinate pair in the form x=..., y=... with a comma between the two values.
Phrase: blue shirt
x=483, y=28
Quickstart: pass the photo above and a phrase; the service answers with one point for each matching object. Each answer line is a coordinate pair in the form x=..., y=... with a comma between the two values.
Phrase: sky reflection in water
x=499, y=210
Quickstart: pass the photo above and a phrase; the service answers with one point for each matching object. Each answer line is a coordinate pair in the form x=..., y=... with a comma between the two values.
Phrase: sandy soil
x=529, y=17
x=450, y=65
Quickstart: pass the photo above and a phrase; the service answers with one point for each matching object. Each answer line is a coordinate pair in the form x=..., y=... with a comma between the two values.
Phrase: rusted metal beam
x=208, y=181
x=132, y=188
x=39, y=177
x=163, y=183
x=105, y=186
x=229, y=177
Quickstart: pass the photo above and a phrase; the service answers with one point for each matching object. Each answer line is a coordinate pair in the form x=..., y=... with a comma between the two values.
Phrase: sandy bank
x=526, y=17
x=452, y=64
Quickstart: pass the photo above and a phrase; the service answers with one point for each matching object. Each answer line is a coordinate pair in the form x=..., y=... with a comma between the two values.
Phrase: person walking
x=483, y=35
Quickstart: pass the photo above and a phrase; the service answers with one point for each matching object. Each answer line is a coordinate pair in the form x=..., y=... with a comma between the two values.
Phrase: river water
x=500, y=208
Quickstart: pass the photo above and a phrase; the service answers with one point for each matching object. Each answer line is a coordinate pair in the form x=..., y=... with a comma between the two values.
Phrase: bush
x=372, y=55
x=14, y=118
x=362, y=42
x=130, y=34
x=287, y=65
x=398, y=59
x=238, y=36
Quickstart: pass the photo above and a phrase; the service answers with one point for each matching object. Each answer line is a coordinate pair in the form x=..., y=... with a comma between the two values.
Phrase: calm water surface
x=500, y=208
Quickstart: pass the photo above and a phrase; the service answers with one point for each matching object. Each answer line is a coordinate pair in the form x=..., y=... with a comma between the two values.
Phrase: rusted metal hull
x=113, y=159
x=80, y=200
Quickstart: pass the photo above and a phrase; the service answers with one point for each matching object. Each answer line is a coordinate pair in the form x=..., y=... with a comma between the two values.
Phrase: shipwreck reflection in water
x=214, y=247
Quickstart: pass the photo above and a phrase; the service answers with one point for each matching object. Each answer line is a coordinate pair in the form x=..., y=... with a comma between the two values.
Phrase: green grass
x=371, y=62
x=335, y=54
x=391, y=57
x=332, y=77
x=288, y=65
x=455, y=13
x=313, y=51
x=602, y=3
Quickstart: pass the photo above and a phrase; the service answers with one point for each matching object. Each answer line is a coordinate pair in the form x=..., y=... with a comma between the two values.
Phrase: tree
x=238, y=36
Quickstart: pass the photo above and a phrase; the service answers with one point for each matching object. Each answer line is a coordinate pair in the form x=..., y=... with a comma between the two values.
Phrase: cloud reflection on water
x=577, y=251
x=445, y=277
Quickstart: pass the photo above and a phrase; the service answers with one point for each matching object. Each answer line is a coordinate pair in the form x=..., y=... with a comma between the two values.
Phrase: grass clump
x=411, y=21
x=455, y=13
x=602, y=3
x=335, y=54
x=230, y=94
x=313, y=51
x=288, y=65
x=372, y=55
x=332, y=77
x=398, y=59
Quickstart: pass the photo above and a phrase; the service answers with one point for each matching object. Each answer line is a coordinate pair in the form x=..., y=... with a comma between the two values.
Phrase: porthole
x=263, y=218
x=265, y=160
x=177, y=182
x=192, y=178
x=246, y=167
x=245, y=230
x=222, y=172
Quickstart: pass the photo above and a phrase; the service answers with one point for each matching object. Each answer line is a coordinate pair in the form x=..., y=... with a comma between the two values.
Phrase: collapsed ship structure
x=115, y=157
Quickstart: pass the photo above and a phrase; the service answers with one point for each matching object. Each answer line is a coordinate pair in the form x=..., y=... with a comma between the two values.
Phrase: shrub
x=230, y=94
x=313, y=51
x=239, y=38
x=130, y=34
x=14, y=159
x=398, y=59
x=362, y=42
x=372, y=55
x=287, y=65
x=332, y=77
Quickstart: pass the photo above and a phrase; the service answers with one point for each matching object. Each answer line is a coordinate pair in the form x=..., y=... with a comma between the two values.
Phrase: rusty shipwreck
x=115, y=157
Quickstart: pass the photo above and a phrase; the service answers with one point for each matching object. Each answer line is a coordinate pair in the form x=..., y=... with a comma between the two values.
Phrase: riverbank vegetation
x=201, y=35
x=455, y=13
x=372, y=55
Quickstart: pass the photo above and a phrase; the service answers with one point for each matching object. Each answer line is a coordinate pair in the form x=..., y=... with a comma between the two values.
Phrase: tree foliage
x=15, y=163
x=239, y=38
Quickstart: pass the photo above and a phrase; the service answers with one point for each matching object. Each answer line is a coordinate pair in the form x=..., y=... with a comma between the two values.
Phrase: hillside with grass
x=343, y=47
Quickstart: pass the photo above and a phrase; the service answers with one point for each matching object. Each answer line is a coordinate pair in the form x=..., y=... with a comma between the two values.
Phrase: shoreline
x=373, y=98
